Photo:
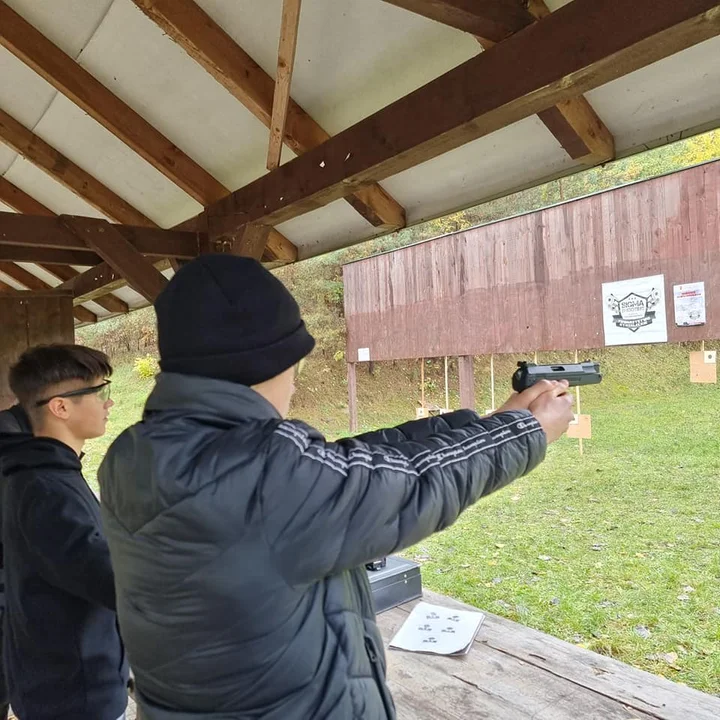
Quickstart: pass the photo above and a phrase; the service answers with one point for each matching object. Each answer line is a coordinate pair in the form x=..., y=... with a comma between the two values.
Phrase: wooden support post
x=112, y=246
x=31, y=318
x=352, y=397
x=447, y=389
x=577, y=402
x=422, y=382
x=467, y=382
x=492, y=382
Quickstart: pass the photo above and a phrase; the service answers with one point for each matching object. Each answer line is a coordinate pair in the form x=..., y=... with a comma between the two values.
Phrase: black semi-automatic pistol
x=527, y=374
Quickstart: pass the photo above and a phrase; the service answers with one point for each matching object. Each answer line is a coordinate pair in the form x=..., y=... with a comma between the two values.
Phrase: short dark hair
x=45, y=366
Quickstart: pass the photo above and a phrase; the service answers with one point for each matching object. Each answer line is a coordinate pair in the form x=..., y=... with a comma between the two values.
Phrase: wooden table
x=515, y=673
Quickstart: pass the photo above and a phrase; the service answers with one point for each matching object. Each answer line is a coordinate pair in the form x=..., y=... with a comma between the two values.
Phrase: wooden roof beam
x=41, y=232
x=99, y=280
x=66, y=172
x=602, y=40
x=573, y=122
x=19, y=200
x=76, y=83
x=49, y=256
x=31, y=282
x=491, y=19
x=289, y=27
x=112, y=246
x=111, y=303
x=207, y=43
x=72, y=80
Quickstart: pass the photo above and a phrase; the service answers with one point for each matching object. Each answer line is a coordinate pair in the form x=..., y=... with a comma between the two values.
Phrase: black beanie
x=227, y=317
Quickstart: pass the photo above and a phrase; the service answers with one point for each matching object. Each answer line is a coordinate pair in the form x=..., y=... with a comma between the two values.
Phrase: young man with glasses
x=63, y=653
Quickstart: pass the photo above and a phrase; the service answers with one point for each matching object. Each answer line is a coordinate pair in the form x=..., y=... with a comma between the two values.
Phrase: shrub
x=146, y=367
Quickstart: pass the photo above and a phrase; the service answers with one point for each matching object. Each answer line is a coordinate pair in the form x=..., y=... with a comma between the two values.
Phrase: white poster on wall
x=634, y=311
x=690, y=304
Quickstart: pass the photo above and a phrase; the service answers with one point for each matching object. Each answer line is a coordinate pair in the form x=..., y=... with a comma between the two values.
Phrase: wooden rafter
x=32, y=282
x=19, y=200
x=610, y=38
x=40, y=232
x=207, y=43
x=573, y=122
x=110, y=302
x=50, y=256
x=491, y=19
x=71, y=79
x=62, y=169
x=99, y=280
x=112, y=246
x=289, y=27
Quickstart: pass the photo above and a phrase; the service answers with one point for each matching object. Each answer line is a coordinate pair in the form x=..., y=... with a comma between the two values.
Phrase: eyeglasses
x=102, y=390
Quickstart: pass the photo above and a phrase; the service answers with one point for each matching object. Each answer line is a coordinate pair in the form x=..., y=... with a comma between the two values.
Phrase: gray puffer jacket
x=238, y=542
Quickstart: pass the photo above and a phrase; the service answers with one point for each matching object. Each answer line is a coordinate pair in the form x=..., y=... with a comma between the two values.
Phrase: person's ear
x=59, y=408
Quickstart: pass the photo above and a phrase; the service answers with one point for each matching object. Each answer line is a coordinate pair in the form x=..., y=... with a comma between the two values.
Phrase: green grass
x=591, y=548
x=587, y=548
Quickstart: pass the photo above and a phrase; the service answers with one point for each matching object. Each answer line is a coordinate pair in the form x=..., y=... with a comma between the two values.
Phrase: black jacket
x=14, y=420
x=238, y=541
x=63, y=654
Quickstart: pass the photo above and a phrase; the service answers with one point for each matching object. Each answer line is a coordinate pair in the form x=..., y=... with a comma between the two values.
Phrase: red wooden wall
x=534, y=282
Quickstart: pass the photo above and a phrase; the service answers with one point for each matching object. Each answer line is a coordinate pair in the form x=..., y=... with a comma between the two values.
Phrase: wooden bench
x=515, y=673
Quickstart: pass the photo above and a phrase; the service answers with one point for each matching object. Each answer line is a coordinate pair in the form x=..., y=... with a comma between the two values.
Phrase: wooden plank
x=7, y=291
x=50, y=256
x=489, y=685
x=66, y=172
x=19, y=200
x=35, y=231
x=95, y=282
x=467, y=381
x=498, y=287
x=574, y=122
x=13, y=341
x=580, y=131
x=29, y=319
x=110, y=244
x=76, y=83
x=100, y=280
x=289, y=25
x=610, y=38
x=251, y=241
x=207, y=43
x=110, y=302
x=32, y=282
x=280, y=248
x=585, y=675
x=50, y=320
x=352, y=396
x=492, y=19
